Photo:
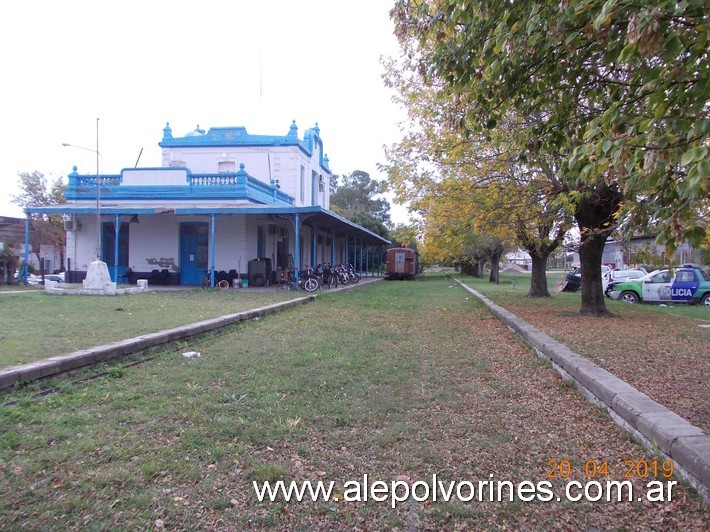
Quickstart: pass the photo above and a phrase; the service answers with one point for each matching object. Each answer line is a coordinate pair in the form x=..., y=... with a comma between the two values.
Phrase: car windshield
x=704, y=274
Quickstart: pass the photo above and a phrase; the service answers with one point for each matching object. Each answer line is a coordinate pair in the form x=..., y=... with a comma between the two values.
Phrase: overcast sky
x=136, y=65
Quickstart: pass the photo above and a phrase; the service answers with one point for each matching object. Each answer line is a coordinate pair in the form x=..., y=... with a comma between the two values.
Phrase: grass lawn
x=513, y=286
x=662, y=351
x=396, y=380
x=37, y=325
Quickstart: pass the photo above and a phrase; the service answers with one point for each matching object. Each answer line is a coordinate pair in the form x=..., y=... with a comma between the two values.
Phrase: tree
x=503, y=195
x=46, y=229
x=407, y=236
x=617, y=91
x=357, y=193
x=356, y=199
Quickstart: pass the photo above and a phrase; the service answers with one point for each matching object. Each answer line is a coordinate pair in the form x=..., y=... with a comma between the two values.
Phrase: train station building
x=222, y=200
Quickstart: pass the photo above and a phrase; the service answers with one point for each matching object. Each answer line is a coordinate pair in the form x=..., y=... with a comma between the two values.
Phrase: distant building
x=12, y=237
x=622, y=254
x=221, y=199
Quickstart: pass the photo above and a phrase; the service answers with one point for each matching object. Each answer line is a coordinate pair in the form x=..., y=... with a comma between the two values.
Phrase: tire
x=333, y=281
x=354, y=278
x=310, y=284
x=257, y=279
x=344, y=278
x=705, y=300
x=629, y=297
x=205, y=281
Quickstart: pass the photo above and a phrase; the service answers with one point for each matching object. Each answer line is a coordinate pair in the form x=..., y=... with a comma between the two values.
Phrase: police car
x=688, y=284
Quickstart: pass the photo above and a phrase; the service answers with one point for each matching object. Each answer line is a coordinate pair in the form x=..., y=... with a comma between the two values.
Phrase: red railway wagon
x=401, y=263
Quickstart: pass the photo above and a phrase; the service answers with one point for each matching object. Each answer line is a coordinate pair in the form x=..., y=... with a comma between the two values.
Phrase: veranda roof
x=316, y=214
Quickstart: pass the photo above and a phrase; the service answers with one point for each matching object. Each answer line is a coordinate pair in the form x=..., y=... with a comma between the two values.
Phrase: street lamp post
x=98, y=189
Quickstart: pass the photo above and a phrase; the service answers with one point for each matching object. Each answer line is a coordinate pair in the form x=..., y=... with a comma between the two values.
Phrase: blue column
x=27, y=247
x=212, y=250
x=296, y=246
x=314, y=245
x=117, y=228
x=332, y=247
x=360, y=270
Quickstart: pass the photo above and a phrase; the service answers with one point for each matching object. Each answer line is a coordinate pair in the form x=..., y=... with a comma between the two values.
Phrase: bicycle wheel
x=310, y=284
x=205, y=281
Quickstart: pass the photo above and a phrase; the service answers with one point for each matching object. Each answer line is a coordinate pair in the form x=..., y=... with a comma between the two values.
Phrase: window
x=109, y=244
x=226, y=167
x=260, y=241
x=303, y=184
x=314, y=189
x=685, y=277
x=661, y=277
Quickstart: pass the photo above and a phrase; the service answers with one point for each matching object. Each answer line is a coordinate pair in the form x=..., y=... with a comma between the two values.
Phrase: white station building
x=223, y=201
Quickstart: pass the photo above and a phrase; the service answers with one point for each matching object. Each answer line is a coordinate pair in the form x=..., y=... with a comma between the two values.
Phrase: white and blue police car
x=686, y=284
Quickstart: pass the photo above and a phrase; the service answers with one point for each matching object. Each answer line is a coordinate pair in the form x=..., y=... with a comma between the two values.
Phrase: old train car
x=401, y=263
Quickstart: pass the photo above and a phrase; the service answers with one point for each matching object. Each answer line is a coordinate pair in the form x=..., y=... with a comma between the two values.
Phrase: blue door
x=684, y=285
x=109, y=249
x=194, y=245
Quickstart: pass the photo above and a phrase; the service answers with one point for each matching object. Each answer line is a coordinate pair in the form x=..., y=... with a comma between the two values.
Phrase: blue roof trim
x=236, y=186
x=315, y=209
x=222, y=137
x=75, y=209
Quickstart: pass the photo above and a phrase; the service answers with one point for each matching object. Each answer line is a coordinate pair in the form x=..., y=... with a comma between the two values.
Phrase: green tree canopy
x=356, y=198
x=359, y=193
x=36, y=191
x=616, y=90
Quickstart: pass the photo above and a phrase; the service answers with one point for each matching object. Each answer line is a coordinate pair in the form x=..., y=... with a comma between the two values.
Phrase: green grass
x=38, y=325
x=513, y=288
x=396, y=378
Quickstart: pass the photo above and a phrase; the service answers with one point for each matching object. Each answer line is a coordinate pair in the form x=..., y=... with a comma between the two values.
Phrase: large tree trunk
x=596, y=216
x=590, y=259
x=538, y=275
x=495, y=267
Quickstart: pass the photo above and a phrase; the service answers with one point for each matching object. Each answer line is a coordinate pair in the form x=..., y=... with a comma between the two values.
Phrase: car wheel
x=705, y=300
x=629, y=297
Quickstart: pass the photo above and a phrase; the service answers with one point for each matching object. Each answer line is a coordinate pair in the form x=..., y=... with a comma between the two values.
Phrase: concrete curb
x=25, y=373
x=655, y=426
x=48, y=367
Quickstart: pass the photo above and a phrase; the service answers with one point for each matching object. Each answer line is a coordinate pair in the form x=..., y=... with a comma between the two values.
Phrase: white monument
x=98, y=278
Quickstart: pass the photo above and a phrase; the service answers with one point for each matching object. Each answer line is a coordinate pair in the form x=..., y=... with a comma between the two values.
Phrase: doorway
x=194, y=247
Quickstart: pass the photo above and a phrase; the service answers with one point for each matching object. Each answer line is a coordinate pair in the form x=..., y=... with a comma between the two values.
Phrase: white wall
x=262, y=163
x=81, y=244
x=156, y=237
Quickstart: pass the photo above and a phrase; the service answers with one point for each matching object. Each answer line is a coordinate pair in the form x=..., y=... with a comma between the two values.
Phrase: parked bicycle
x=354, y=277
x=346, y=274
x=206, y=280
x=327, y=275
x=307, y=280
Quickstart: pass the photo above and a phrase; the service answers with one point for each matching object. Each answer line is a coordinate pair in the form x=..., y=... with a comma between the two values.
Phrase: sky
x=136, y=65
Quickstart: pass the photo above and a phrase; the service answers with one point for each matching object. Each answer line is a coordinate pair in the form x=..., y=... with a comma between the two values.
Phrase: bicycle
x=308, y=280
x=326, y=275
x=206, y=281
